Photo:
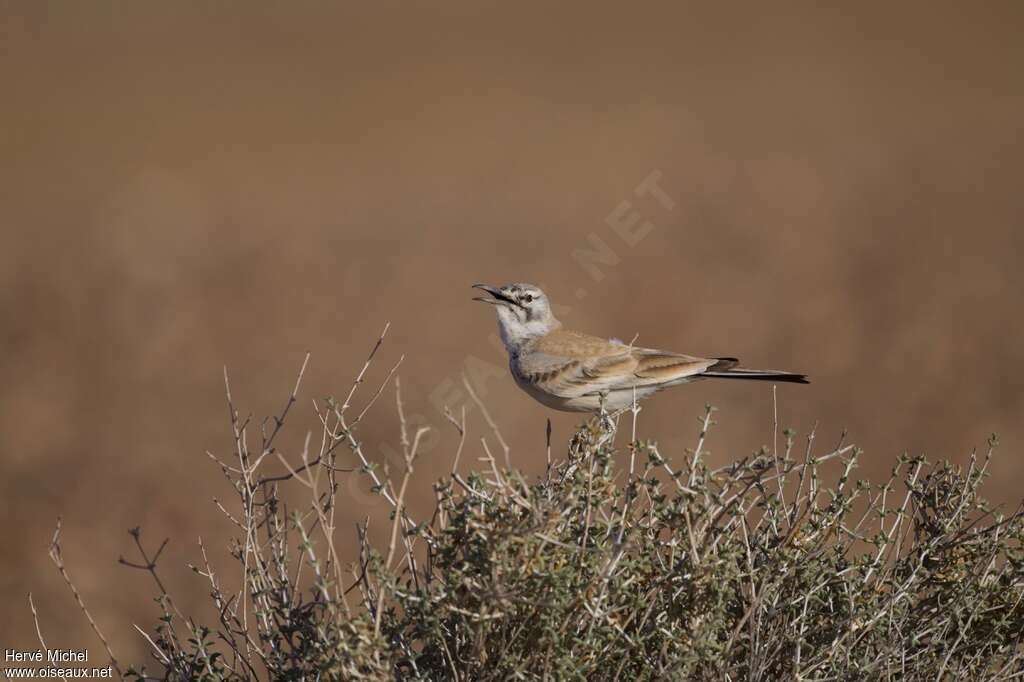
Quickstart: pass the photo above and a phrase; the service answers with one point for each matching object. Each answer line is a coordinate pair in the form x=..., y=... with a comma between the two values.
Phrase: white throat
x=515, y=333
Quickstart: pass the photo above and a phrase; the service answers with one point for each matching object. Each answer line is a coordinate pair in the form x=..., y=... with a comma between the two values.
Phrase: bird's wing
x=661, y=367
x=570, y=365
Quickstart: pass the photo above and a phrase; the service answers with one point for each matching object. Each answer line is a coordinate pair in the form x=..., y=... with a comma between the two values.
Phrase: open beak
x=498, y=298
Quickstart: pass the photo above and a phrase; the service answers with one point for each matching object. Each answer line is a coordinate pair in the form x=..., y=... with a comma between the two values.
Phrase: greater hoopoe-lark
x=576, y=372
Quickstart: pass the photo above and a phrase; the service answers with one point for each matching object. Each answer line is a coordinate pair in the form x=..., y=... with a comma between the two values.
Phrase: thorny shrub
x=760, y=570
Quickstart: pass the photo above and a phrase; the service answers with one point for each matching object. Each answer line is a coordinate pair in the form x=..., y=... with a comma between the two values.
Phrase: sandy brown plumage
x=572, y=371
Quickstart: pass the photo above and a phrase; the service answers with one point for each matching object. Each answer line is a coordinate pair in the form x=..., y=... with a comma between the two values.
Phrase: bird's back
x=575, y=345
x=570, y=364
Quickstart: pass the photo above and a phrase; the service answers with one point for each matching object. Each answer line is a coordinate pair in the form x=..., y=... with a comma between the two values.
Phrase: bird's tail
x=726, y=368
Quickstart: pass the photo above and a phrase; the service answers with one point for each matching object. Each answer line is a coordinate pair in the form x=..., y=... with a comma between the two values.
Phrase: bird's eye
x=527, y=298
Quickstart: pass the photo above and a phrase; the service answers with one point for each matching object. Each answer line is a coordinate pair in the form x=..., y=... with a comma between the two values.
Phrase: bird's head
x=524, y=312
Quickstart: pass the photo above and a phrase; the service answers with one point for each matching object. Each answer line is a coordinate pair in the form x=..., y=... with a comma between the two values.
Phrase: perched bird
x=576, y=372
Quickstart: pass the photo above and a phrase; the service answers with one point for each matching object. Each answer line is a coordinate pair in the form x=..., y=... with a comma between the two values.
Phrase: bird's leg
x=618, y=413
x=607, y=420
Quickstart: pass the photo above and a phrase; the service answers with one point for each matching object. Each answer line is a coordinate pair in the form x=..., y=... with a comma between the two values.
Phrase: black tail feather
x=782, y=377
x=726, y=368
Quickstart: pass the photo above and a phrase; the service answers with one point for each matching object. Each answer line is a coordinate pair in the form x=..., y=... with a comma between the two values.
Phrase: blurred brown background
x=188, y=186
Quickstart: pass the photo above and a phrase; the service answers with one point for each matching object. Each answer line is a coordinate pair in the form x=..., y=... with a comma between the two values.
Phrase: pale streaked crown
x=524, y=312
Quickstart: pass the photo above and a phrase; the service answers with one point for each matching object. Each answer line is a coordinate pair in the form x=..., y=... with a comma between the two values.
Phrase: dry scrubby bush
x=666, y=569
